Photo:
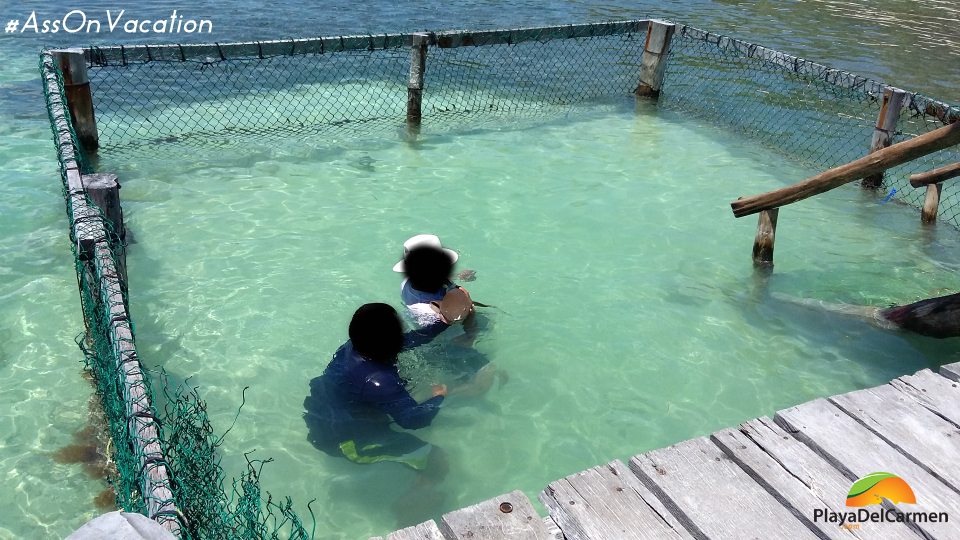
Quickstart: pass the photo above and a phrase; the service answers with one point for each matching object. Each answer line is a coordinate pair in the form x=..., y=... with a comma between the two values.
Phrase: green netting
x=819, y=116
x=175, y=474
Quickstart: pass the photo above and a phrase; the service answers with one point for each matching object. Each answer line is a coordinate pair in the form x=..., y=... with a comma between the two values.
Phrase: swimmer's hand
x=439, y=390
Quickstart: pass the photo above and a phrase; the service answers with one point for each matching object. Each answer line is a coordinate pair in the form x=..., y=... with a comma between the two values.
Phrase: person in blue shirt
x=353, y=405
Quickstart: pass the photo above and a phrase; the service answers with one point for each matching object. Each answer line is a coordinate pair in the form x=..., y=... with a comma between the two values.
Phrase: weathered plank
x=939, y=394
x=425, y=531
x=608, y=502
x=951, y=371
x=508, y=516
x=797, y=477
x=908, y=426
x=699, y=484
x=857, y=452
x=553, y=529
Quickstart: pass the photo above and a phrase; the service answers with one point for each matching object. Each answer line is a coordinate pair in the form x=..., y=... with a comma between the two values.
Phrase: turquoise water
x=631, y=321
x=631, y=316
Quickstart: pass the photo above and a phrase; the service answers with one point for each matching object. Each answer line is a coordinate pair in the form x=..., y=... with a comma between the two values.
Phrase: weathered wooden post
x=418, y=64
x=103, y=190
x=931, y=202
x=934, y=181
x=654, y=61
x=76, y=88
x=766, y=234
x=886, y=126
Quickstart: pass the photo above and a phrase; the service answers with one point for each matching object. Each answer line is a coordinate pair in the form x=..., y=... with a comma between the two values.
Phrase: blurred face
x=377, y=333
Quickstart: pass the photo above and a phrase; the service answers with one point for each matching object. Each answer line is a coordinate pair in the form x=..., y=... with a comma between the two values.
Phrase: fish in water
x=934, y=317
x=467, y=275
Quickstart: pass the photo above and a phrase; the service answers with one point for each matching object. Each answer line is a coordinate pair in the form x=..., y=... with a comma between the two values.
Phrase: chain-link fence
x=819, y=116
x=165, y=465
x=154, y=98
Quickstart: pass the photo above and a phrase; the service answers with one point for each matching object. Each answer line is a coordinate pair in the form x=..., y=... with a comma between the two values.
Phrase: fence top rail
x=918, y=103
x=212, y=52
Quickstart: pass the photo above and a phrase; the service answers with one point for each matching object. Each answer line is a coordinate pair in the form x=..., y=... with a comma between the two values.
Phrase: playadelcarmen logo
x=871, y=490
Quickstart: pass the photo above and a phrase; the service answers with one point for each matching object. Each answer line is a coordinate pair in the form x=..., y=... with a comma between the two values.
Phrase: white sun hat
x=423, y=240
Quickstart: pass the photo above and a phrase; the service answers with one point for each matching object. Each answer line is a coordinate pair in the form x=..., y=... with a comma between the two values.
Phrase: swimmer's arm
x=393, y=399
x=422, y=336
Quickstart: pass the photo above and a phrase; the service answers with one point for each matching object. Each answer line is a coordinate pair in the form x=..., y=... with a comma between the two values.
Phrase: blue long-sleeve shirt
x=355, y=395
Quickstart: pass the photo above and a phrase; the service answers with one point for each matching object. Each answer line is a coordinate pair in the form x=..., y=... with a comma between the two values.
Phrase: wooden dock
x=767, y=478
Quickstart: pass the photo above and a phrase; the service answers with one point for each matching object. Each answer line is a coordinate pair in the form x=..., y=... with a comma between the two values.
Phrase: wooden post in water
x=766, y=234
x=934, y=181
x=654, y=61
x=76, y=88
x=418, y=64
x=931, y=203
x=886, y=126
x=103, y=190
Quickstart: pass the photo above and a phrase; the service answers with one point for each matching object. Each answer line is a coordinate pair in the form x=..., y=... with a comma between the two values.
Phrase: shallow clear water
x=631, y=316
x=632, y=320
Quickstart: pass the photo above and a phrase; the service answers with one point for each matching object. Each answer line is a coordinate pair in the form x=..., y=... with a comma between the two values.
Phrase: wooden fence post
x=766, y=234
x=76, y=88
x=418, y=64
x=886, y=126
x=103, y=190
x=654, y=61
x=931, y=203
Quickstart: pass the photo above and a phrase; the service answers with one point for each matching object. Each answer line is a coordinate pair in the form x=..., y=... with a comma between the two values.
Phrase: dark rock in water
x=467, y=275
x=106, y=500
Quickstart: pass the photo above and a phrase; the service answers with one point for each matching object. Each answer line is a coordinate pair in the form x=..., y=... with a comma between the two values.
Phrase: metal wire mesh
x=227, y=95
x=190, y=489
x=816, y=115
x=473, y=77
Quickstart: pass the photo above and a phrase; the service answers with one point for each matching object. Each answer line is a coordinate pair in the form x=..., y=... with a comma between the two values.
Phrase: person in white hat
x=428, y=267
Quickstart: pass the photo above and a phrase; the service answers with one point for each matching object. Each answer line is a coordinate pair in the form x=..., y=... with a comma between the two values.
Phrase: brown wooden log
x=878, y=161
x=931, y=203
x=766, y=234
x=933, y=317
x=893, y=99
x=418, y=64
x=653, y=62
x=935, y=176
x=76, y=88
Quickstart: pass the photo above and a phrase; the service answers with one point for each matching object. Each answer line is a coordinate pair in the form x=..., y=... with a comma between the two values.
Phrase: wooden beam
x=418, y=64
x=893, y=100
x=878, y=161
x=653, y=63
x=935, y=176
x=931, y=203
x=76, y=88
x=501, y=518
x=766, y=234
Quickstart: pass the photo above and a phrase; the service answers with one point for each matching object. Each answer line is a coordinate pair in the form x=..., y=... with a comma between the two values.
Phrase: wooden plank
x=701, y=486
x=608, y=502
x=425, y=531
x=878, y=161
x=553, y=529
x=951, y=371
x=908, y=426
x=935, y=392
x=509, y=516
x=797, y=477
x=857, y=452
x=935, y=176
